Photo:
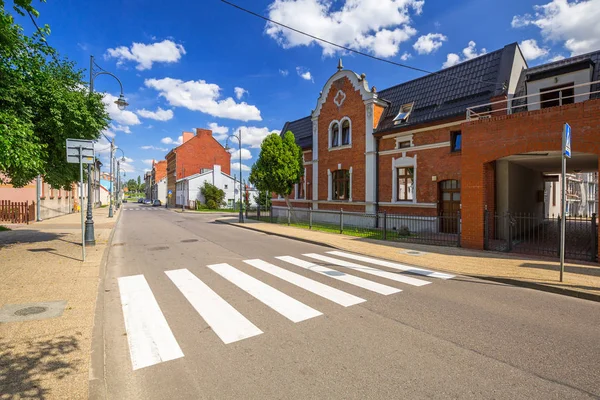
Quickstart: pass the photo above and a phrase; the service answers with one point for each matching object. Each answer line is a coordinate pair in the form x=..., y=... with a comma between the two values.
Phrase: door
x=449, y=206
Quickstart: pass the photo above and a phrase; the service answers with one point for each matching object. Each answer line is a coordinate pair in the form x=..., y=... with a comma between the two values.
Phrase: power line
x=38, y=29
x=356, y=51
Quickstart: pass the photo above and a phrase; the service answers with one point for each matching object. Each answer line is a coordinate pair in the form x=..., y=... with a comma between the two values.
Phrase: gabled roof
x=557, y=68
x=302, y=130
x=438, y=96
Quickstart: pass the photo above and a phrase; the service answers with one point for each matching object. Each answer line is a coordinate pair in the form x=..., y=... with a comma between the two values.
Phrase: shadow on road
x=591, y=270
x=27, y=236
x=28, y=373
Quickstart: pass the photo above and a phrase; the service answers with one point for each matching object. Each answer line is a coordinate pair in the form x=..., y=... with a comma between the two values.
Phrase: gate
x=535, y=235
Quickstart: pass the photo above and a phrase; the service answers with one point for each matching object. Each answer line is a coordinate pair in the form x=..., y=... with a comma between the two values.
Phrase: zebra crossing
x=151, y=340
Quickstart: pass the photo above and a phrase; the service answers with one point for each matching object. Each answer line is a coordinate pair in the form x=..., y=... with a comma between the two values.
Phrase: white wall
x=217, y=178
x=577, y=77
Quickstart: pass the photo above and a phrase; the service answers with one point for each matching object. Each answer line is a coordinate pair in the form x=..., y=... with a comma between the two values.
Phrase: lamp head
x=121, y=103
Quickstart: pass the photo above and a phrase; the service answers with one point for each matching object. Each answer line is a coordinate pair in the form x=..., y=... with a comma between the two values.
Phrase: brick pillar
x=489, y=170
x=473, y=199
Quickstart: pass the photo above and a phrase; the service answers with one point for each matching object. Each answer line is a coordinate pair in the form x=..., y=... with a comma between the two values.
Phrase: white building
x=581, y=196
x=159, y=190
x=188, y=189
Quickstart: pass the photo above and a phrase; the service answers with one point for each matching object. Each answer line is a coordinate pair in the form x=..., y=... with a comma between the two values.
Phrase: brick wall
x=171, y=179
x=485, y=141
x=201, y=151
x=354, y=108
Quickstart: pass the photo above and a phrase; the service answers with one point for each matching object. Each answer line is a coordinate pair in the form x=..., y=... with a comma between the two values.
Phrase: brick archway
x=485, y=141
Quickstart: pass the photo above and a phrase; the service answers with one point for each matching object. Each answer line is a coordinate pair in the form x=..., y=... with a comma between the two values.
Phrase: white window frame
x=330, y=135
x=404, y=162
x=405, y=138
x=330, y=185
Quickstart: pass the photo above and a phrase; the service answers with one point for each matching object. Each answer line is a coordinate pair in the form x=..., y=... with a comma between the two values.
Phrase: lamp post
x=121, y=103
x=117, y=199
x=227, y=148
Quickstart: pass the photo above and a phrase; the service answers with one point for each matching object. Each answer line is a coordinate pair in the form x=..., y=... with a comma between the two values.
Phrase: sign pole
x=566, y=152
x=81, y=202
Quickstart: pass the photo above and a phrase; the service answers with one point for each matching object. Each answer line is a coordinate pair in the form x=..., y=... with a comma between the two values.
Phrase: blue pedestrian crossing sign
x=170, y=192
x=567, y=141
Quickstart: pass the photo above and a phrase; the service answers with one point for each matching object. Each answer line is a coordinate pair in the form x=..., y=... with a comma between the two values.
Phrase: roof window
x=403, y=114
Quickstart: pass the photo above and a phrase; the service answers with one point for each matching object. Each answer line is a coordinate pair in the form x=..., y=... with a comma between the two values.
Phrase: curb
x=96, y=379
x=507, y=281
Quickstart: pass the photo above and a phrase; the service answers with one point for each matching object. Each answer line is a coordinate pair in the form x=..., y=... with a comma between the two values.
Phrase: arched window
x=345, y=132
x=340, y=180
x=335, y=135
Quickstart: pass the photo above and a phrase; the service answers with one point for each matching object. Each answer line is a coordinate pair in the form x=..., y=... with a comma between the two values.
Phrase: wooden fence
x=17, y=212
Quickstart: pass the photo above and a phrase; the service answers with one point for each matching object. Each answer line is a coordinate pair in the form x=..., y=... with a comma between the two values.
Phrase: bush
x=404, y=231
x=211, y=204
x=212, y=195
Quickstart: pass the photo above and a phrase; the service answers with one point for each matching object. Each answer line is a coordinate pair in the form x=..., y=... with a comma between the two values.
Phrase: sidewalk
x=580, y=280
x=41, y=262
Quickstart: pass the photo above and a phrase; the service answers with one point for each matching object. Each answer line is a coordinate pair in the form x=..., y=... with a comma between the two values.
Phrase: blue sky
x=180, y=64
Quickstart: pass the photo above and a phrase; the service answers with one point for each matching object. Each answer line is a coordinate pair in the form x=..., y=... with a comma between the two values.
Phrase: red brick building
x=196, y=153
x=482, y=135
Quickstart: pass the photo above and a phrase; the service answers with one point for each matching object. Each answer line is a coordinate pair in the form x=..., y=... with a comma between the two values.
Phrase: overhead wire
x=346, y=48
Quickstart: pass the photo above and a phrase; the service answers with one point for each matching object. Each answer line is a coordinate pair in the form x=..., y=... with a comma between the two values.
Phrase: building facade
x=481, y=138
x=159, y=181
x=197, y=153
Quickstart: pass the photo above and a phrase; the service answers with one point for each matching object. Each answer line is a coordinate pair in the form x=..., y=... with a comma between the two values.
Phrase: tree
x=132, y=186
x=279, y=165
x=213, y=196
x=263, y=199
x=139, y=184
x=43, y=101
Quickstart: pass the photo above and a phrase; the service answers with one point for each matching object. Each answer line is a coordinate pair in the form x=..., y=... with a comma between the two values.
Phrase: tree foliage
x=43, y=101
x=279, y=165
x=263, y=199
x=213, y=196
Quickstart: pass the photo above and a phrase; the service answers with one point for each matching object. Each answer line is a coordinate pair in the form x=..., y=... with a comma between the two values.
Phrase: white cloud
x=158, y=115
x=154, y=148
x=304, y=74
x=127, y=167
x=204, y=97
x=405, y=56
x=102, y=146
x=239, y=92
x=531, y=50
x=219, y=132
x=376, y=26
x=574, y=23
x=123, y=117
x=246, y=155
x=469, y=53
x=109, y=133
x=148, y=161
x=284, y=72
x=427, y=44
x=127, y=159
x=253, y=136
x=120, y=128
x=557, y=58
x=235, y=167
x=145, y=55
x=168, y=140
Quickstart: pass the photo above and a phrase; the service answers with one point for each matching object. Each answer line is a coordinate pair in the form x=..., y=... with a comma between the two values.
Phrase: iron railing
x=540, y=235
x=441, y=230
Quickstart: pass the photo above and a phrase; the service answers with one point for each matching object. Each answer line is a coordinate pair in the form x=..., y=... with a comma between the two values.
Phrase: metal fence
x=441, y=230
x=536, y=235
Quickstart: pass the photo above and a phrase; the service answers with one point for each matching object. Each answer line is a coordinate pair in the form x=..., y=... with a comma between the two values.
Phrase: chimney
x=187, y=136
x=200, y=132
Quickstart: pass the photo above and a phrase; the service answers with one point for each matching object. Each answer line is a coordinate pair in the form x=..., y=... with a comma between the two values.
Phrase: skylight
x=403, y=114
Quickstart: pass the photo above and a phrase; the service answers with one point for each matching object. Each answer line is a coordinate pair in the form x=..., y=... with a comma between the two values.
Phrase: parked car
x=124, y=200
x=156, y=203
x=141, y=200
x=147, y=201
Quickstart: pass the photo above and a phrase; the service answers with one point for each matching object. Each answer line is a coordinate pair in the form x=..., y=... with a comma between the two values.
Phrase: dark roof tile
x=302, y=130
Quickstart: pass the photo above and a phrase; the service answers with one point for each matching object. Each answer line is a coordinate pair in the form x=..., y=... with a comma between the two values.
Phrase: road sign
x=87, y=151
x=567, y=141
x=170, y=192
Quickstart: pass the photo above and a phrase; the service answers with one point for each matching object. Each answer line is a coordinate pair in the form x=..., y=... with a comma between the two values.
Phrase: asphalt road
x=451, y=338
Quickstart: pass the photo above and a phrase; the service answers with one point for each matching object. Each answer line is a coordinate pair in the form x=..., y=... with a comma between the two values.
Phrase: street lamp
x=227, y=148
x=121, y=104
x=118, y=198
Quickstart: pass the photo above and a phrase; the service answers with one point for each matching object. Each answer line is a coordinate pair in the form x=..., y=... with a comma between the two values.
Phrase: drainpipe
x=377, y=178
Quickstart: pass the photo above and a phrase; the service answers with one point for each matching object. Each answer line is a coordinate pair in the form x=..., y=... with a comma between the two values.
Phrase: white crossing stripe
x=150, y=338
x=318, y=288
x=341, y=276
x=229, y=325
x=287, y=306
x=369, y=270
x=394, y=265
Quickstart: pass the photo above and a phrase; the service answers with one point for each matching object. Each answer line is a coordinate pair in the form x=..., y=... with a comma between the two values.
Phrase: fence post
x=258, y=213
x=288, y=216
x=458, y=228
x=27, y=212
x=385, y=225
x=594, y=252
x=341, y=220
x=486, y=227
x=310, y=217
x=271, y=214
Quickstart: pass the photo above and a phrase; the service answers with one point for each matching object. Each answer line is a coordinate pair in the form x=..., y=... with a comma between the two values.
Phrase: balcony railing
x=509, y=106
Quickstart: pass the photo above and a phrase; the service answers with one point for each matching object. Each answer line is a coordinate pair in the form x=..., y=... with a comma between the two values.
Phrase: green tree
x=279, y=165
x=139, y=184
x=132, y=186
x=263, y=199
x=43, y=101
x=213, y=196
